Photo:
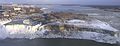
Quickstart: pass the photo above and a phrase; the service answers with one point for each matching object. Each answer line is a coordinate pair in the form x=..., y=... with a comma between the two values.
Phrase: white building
x=17, y=9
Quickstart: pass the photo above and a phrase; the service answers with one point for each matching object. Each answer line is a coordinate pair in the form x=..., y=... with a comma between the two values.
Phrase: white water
x=14, y=31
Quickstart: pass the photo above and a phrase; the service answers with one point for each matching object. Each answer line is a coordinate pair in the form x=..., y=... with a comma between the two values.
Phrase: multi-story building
x=0, y=7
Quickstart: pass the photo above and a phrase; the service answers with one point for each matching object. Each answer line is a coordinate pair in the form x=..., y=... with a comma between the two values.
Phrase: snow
x=13, y=29
x=3, y=33
x=4, y=22
x=76, y=21
x=92, y=24
x=98, y=37
x=93, y=14
x=37, y=31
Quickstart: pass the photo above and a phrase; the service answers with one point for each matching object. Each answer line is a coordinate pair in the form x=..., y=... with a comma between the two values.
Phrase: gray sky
x=83, y=2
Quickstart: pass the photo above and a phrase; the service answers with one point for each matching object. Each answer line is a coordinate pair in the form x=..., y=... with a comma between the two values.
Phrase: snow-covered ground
x=92, y=24
x=37, y=31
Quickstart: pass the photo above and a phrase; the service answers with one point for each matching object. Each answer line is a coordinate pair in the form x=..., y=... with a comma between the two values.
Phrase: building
x=6, y=14
x=1, y=11
x=0, y=7
x=17, y=9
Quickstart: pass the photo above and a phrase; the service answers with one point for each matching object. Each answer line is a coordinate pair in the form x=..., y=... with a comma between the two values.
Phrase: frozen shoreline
x=31, y=32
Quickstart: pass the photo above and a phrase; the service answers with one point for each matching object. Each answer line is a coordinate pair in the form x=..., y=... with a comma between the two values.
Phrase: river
x=57, y=41
x=51, y=42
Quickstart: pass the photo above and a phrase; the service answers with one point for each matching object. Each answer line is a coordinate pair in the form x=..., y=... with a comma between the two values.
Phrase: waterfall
x=4, y=22
x=38, y=31
x=20, y=29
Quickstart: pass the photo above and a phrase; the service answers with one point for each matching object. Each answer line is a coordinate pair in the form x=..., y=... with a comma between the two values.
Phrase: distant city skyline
x=82, y=2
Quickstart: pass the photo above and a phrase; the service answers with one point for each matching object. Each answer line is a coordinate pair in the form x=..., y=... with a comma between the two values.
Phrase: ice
x=18, y=30
x=76, y=21
x=4, y=22
x=98, y=37
x=3, y=32
x=37, y=31
x=92, y=24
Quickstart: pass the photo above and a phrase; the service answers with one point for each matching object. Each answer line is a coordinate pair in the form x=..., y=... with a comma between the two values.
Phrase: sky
x=82, y=2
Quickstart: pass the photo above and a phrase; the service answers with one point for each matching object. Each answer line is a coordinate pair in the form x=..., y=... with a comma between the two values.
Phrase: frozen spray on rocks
x=38, y=30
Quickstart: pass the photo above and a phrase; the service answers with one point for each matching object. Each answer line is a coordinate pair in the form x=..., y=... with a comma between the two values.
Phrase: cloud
x=93, y=2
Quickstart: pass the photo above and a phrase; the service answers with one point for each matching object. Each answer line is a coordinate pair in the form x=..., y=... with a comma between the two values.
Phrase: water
x=58, y=8
x=55, y=42
x=50, y=42
x=76, y=9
